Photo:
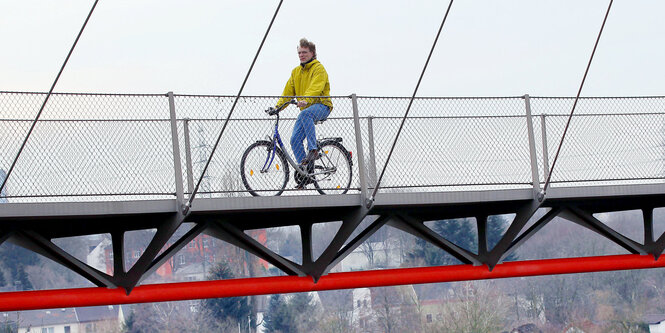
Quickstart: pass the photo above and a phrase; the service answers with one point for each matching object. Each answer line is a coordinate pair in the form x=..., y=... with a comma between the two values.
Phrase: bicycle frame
x=277, y=140
x=322, y=171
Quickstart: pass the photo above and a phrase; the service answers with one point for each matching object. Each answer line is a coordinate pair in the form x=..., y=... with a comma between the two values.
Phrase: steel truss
x=231, y=227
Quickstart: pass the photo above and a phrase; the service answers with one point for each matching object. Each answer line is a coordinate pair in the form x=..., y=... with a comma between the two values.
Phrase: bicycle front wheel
x=264, y=173
x=333, y=171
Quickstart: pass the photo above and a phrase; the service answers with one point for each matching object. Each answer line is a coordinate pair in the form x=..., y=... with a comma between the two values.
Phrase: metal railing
x=119, y=147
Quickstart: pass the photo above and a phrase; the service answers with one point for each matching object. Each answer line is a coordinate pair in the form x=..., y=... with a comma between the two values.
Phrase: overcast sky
x=372, y=48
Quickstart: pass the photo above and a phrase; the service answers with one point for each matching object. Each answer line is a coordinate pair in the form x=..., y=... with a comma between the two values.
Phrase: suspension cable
x=219, y=137
x=41, y=109
x=408, y=108
x=572, y=111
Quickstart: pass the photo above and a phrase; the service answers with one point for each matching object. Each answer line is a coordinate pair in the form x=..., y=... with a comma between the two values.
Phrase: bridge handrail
x=119, y=146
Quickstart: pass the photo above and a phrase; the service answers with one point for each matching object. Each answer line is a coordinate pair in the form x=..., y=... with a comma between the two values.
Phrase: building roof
x=394, y=295
x=63, y=316
x=196, y=268
x=97, y=313
x=36, y=318
x=431, y=291
x=336, y=299
x=654, y=318
x=526, y=328
x=583, y=326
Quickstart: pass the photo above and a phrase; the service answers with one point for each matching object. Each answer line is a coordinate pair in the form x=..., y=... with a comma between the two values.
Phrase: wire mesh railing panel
x=95, y=158
x=441, y=106
x=86, y=145
x=597, y=105
x=12, y=133
x=92, y=146
x=218, y=107
x=20, y=105
x=609, y=139
x=204, y=118
x=451, y=146
x=608, y=147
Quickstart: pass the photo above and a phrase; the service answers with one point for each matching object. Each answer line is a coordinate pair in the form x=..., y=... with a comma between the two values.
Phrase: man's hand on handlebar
x=273, y=111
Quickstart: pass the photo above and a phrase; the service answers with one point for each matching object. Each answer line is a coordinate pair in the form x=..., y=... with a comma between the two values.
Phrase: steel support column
x=362, y=170
x=532, y=146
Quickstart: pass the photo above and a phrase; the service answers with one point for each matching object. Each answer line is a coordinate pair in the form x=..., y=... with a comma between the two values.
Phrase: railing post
x=176, y=154
x=371, y=168
x=532, y=146
x=546, y=160
x=188, y=157
x=359, y=151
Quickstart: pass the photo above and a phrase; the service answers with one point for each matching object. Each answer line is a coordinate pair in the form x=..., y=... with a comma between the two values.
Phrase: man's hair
x=305, y=43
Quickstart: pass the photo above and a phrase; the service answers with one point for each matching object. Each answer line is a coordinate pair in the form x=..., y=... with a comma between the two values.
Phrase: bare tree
x=367, y=249
x=169, y=317
x=475, y=307
x=385, y=311
x=337, y=316
x=394, y=309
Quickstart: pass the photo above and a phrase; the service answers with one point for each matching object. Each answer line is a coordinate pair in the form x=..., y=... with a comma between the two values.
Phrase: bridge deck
x=74, y=218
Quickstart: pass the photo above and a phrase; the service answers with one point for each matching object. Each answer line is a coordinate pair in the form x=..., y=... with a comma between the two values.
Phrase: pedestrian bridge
x=113, y=163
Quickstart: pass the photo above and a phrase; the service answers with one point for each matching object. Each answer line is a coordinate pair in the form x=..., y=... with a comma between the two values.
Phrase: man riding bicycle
x=307, y=79
x=264, y=166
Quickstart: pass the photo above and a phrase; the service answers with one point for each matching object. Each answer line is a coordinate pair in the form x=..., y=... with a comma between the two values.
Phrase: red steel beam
x=61, y=298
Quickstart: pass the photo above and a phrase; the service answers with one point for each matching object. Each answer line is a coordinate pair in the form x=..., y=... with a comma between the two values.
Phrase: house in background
x=96, y=257
x=47, y=321
x=585, y=326
x=371, y=255
x=109, y=318
x=362, y=315
x=656, y=323
x=94, y=319
x=193, y=272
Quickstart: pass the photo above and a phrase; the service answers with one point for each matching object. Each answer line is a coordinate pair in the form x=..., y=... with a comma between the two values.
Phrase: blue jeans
x=304, y=128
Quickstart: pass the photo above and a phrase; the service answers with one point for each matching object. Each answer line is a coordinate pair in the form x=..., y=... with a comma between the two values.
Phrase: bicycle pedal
x=302, y=184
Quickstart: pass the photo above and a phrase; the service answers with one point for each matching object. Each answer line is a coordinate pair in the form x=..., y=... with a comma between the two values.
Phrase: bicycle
x=264, y=166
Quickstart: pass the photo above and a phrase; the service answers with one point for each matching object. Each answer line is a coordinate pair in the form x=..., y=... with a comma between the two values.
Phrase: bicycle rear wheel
x=333, y=171
x=262, y=173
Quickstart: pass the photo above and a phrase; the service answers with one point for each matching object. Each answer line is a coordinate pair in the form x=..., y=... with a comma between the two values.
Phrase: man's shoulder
x=317, y=65
x=296, y=69
x=314, y=65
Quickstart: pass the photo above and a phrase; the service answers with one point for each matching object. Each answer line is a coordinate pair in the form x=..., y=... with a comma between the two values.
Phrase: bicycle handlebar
x=271, y=111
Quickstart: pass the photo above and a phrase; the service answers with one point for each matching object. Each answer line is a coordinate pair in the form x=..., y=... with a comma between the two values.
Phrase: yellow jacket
x=310, y=79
